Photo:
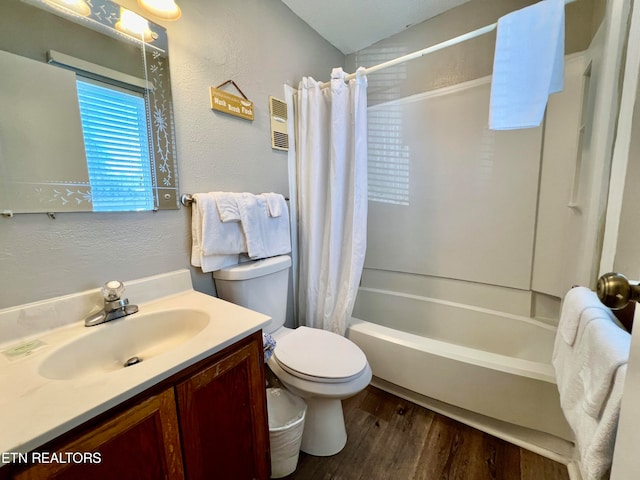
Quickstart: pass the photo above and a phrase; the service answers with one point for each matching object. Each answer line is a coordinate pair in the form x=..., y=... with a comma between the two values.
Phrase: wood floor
x=393, y=439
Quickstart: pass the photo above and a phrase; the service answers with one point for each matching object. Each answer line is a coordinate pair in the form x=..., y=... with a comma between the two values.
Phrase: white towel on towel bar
x=606, y=348
x=204, y=206
x=227, y=204
x=528, y=65
x=218, y=238
x=275, y=203
x=590, y=376
x=266, y=236
x=577, y=302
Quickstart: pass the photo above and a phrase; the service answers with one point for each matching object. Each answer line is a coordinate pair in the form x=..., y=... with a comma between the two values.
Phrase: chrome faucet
x=114, y=305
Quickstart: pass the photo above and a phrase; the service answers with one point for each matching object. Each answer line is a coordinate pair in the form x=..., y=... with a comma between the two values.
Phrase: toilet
x=320, y=366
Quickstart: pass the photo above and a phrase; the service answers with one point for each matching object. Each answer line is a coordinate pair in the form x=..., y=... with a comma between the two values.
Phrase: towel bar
x=187, y=199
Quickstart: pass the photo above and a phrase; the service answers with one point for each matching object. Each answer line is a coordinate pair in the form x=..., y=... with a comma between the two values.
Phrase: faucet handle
x=112, y=291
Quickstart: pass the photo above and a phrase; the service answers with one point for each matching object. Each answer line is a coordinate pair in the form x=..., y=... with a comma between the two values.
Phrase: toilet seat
x=319, y=356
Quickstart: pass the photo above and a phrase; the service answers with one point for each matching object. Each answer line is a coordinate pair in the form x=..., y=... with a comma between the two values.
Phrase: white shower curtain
x=331, y=151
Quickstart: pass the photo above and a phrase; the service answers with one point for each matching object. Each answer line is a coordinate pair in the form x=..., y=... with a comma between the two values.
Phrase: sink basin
x=108, y=347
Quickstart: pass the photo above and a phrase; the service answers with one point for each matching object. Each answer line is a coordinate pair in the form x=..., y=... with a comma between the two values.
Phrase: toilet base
x=324, y=431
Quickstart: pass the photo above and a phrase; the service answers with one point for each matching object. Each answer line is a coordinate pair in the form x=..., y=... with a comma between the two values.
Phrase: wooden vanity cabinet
x=206, y=422
x=227, y=396
x=142, y=442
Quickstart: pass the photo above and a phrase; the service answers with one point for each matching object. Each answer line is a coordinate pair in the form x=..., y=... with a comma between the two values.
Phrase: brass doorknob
x=615, y=291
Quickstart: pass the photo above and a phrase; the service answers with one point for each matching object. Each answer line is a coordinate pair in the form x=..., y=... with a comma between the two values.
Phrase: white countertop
x=35, y=409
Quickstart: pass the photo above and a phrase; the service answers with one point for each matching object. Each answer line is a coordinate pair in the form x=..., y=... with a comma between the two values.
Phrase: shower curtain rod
x=426, y=51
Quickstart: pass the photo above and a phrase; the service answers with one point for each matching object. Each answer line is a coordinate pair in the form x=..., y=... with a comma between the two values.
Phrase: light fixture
x=78, y=7
x=134, y=25
x=164, y=9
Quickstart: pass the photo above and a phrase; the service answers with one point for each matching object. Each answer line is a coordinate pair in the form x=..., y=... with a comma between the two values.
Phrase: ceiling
x=351, y=25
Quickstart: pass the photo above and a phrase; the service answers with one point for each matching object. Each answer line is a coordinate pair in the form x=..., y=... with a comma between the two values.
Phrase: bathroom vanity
x=194, y=407
x=207, y=419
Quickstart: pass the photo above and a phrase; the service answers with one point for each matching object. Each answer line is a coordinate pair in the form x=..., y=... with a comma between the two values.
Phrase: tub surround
x=482, y=361
x=37, y=409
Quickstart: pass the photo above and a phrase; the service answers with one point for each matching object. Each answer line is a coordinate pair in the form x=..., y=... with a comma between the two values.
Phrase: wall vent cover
x=279, y=129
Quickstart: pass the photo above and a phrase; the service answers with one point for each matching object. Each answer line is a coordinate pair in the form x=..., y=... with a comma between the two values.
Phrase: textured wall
x=259, y=44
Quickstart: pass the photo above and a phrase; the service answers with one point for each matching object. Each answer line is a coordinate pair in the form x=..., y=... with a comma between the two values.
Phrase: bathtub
x=491, y=363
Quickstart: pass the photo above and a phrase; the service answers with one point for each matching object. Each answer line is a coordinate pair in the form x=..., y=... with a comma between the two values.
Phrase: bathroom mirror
x=86, y=121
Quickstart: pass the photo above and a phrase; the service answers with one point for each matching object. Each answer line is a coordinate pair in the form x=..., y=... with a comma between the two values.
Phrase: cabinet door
x=140, y=443
x=223, y=418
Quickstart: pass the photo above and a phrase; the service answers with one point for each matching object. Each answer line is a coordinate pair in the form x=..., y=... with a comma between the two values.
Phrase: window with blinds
x=114, y=124
x=388, y=159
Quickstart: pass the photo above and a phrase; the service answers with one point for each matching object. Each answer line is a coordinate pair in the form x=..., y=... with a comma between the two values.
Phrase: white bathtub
x=485, y=361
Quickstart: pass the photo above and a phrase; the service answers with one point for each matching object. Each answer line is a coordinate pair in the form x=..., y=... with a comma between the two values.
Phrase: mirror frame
x=103, y=17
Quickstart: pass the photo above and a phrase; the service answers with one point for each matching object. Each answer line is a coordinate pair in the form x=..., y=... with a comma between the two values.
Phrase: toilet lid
x=319, y=355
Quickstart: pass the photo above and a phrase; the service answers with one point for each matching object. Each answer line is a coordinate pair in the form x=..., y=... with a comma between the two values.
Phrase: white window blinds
x=117, y=147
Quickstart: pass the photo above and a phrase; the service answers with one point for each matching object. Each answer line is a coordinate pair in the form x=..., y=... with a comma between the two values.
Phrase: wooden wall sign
x=231, y=104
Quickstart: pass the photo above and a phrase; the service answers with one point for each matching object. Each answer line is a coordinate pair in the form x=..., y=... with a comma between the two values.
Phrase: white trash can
x=286, y=421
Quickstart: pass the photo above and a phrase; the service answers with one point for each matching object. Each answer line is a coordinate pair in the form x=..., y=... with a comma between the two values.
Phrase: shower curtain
x=331, y=164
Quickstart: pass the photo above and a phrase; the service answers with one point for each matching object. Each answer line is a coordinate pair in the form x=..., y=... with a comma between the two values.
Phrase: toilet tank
x=261, y=285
